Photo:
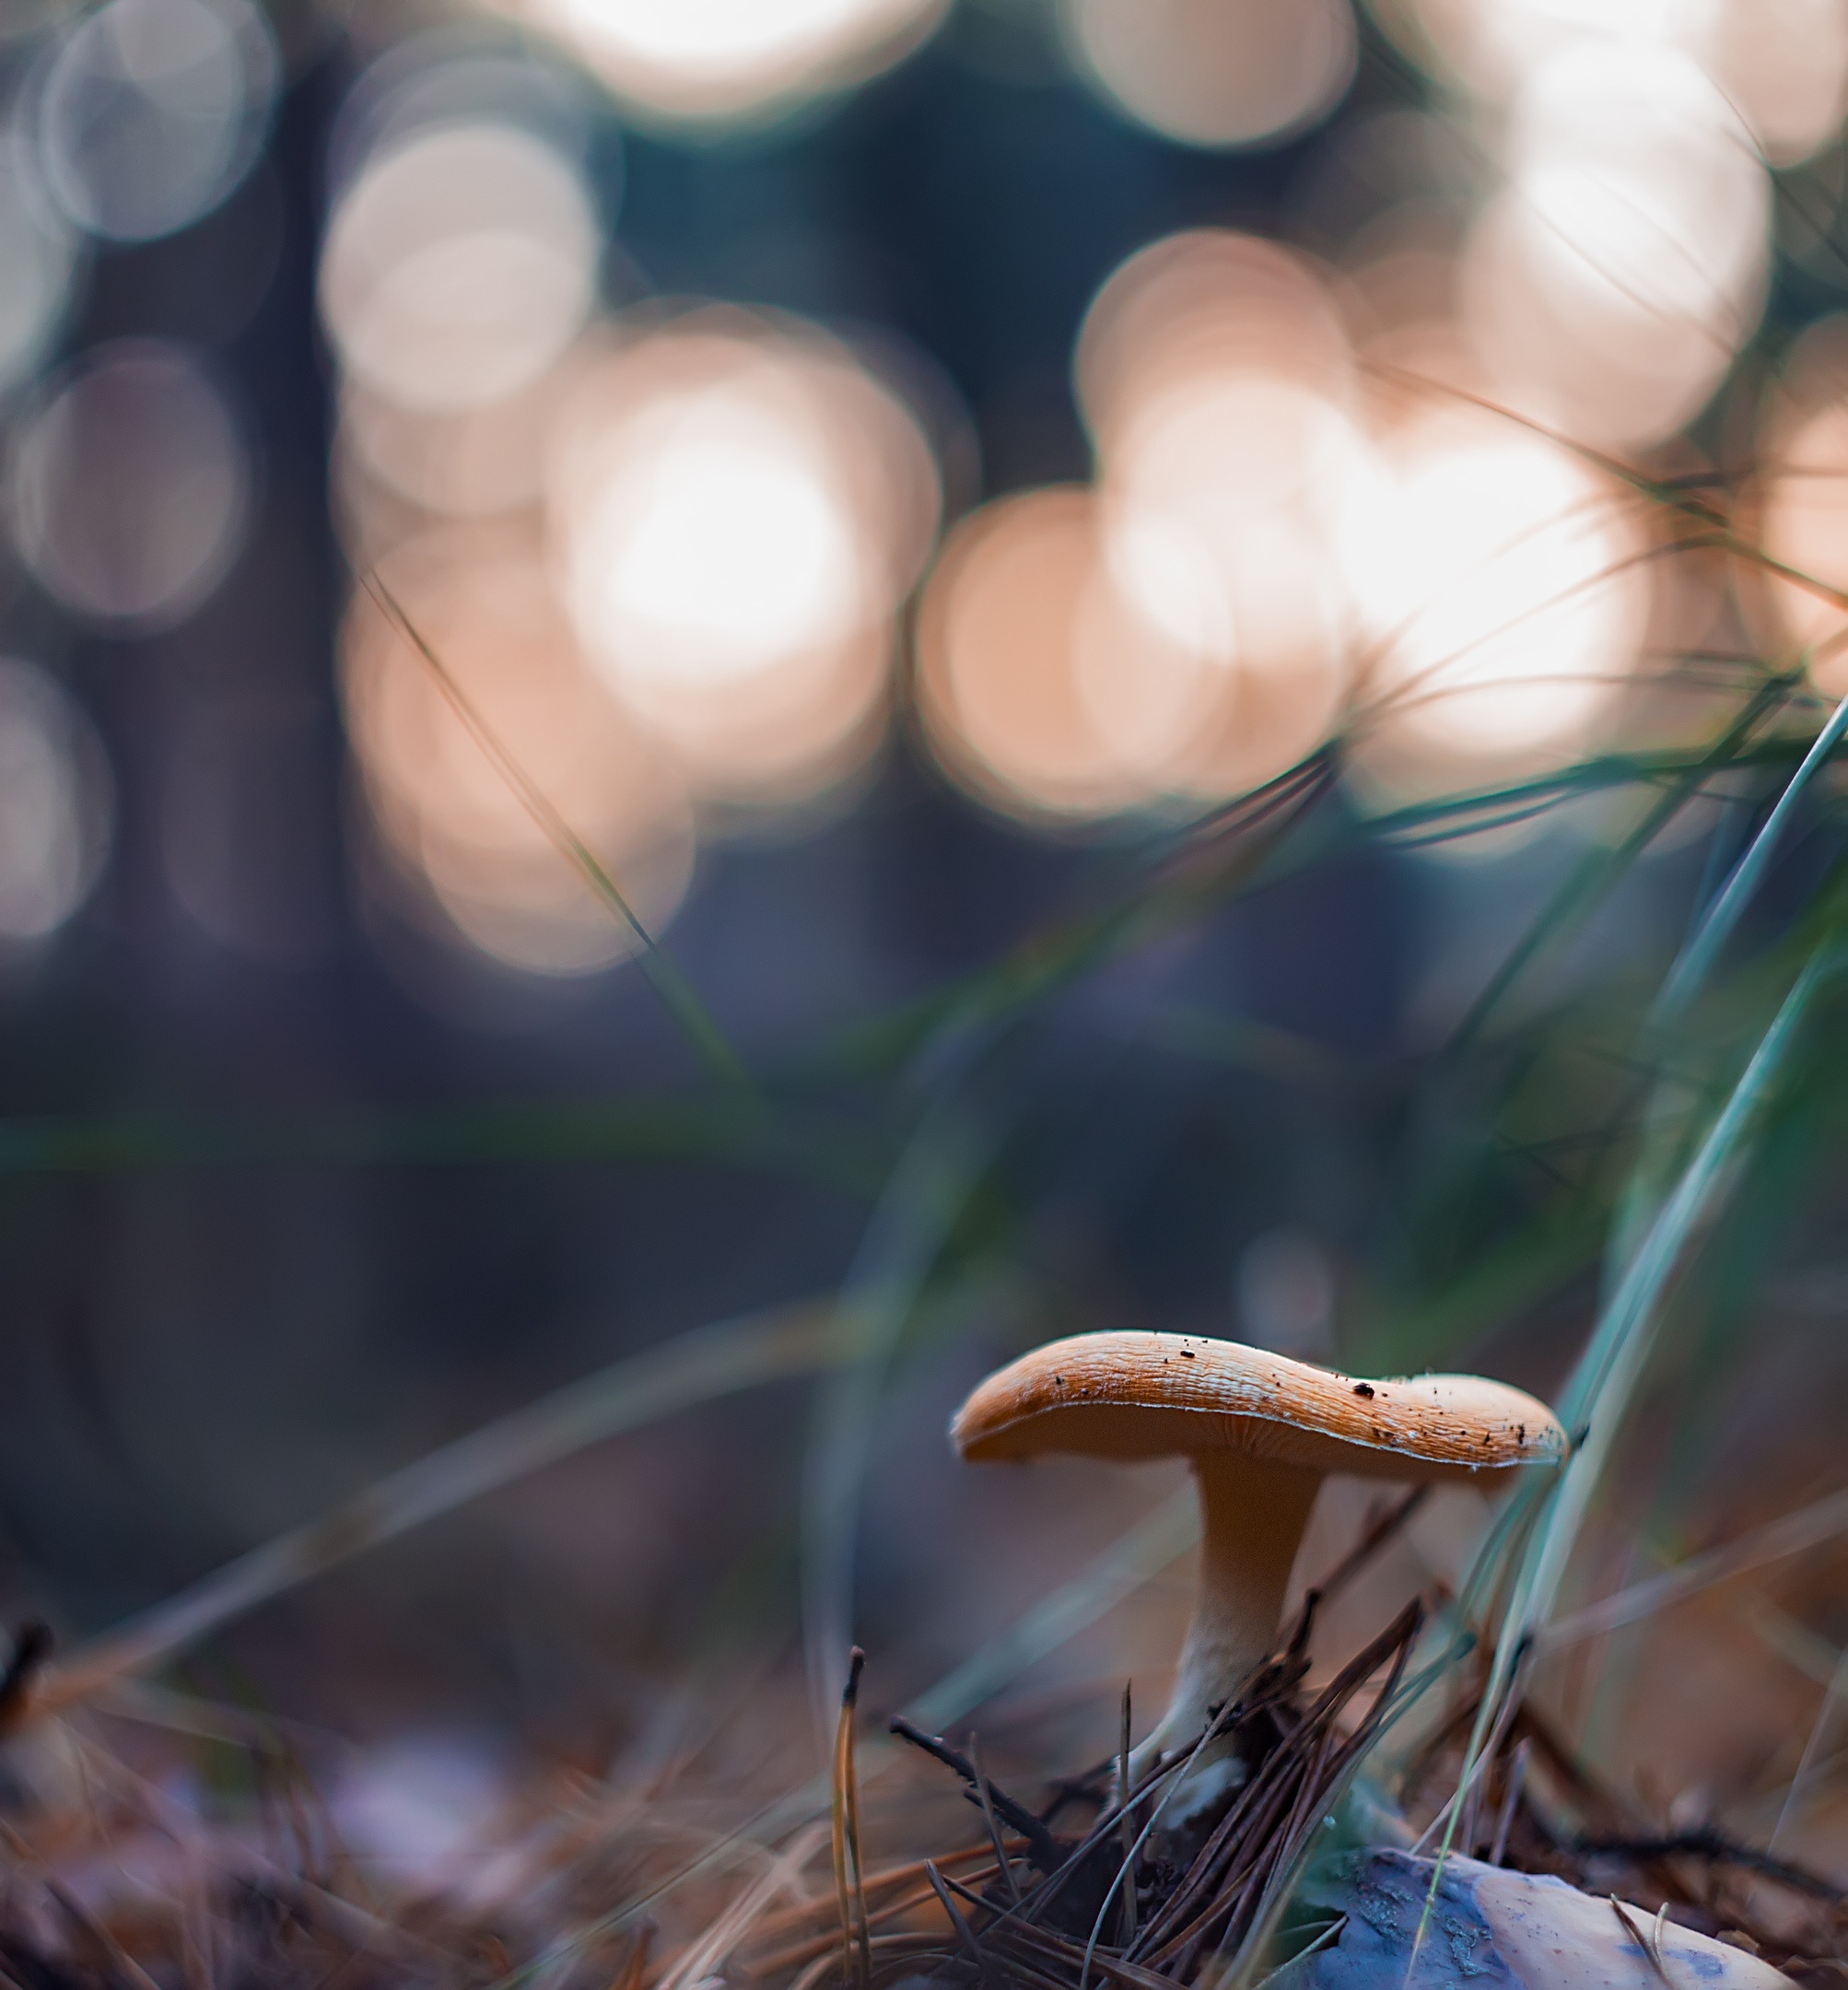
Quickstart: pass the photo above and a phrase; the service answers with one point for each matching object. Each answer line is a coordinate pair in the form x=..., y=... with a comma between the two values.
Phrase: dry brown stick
x=849, y=1893
x=903, y=1946
x=1511, y=1798
x=1205, y=1902
x=1101, y=1830
x=1280, y=1847
x=1455, y=1725
x=1025, y=1973
x=1258, y=1797
x=1597, y=1795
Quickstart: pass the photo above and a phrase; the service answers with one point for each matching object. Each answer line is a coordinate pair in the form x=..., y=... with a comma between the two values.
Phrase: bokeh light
x=1610, y=284
x=727, y=59
x=40, y=259
x=460, y=265
x=462, y=71
x=1182, y=632
x=148, y=113
x=54, y=803
x=129, y=486
x=1218, y=71
x=1047, y=691
x=1006, y=613
x=469, y=463
x=1218, y=496
x=1202, y=303
x=1505, y=590
x=454, y=825
x=739, y=510
x=1782, y=64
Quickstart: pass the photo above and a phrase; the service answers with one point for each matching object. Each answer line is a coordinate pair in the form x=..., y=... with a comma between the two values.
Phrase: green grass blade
x=1605, y=1379
x=1697, y=957
x=1604, y=1383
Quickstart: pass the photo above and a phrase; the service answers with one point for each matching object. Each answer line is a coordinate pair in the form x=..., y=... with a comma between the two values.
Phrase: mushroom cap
x=1161, y=1395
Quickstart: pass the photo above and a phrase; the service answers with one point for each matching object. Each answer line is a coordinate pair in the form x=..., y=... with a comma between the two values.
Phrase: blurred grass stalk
x=1650, y=1234
x=714, y=1360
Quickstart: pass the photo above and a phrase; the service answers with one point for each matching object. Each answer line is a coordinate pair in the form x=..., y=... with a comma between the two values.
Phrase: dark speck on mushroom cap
x=1123, y=1396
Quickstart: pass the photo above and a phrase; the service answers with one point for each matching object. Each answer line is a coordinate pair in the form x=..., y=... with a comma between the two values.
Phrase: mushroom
x=1261, y=1432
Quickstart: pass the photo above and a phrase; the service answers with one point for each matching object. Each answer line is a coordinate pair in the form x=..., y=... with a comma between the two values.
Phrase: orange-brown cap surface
x=1160, y=1395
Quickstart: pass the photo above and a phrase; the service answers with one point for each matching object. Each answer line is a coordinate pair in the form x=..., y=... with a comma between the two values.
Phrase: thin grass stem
x=664, y=975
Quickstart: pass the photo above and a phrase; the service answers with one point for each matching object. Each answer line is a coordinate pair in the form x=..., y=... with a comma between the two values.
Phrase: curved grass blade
x=1697, y=957
x=674, y=989
x=1605, y=1379
x=1200, y=869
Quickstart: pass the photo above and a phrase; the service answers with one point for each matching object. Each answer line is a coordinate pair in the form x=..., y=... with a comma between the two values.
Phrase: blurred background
x=884, y=471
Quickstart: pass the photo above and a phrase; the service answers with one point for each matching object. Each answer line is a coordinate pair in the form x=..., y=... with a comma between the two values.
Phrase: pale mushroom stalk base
x=1253, y=1514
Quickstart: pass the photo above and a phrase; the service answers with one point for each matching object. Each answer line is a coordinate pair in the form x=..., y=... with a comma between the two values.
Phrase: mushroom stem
x=1252, y=1514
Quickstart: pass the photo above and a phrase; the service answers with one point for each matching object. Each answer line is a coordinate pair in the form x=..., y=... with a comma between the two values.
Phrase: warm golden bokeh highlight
x=1502, y=589
x=1610, y=283
x=705, y=523
x=1282, y=542
x=717, y=61
x=1782, y=64
x=1214, y=373
x=1210, y=73
x=1025, y=655
x=1205, y=302
x=1351, y=499
x=739, y=508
